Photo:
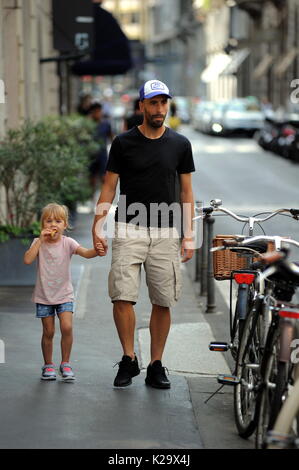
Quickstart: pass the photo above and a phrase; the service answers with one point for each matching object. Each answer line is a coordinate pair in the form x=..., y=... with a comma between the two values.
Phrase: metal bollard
x=204, y=260
x=211, y=305
x=198, y=251
x=197, y=264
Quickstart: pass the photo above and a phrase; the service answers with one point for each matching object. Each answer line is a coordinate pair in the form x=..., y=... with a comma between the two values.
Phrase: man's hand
x=187, y=249
x=103, y=206
x=100, y=243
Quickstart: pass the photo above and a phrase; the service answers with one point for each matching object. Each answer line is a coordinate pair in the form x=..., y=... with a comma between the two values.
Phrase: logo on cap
x=157, y=86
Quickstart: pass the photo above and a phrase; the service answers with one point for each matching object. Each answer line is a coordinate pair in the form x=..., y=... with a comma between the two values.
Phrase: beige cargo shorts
x=158, y=250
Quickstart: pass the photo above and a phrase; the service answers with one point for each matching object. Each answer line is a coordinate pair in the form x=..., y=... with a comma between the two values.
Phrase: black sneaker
x=156, y=377
x=128, y=368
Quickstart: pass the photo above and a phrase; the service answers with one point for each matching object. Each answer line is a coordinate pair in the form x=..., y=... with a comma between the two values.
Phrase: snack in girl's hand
x=53, y=233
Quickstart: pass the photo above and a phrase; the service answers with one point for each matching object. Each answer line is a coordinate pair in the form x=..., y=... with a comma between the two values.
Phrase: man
x=134, y=119
x=147, y=160
x=103, y=135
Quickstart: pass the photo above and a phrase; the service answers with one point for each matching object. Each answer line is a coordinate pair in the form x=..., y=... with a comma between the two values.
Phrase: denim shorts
x=43, y=311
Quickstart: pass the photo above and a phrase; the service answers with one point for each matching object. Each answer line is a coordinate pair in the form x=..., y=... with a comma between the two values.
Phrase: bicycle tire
x=270, y=399
x=288, y=414
x=281, y=387
x=245, y=391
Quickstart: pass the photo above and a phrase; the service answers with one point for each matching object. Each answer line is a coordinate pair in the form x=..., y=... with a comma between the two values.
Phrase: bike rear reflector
x=244, y=278
x=289, y=314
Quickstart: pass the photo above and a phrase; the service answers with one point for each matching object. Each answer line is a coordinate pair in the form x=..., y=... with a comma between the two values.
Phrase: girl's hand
x=45, y=233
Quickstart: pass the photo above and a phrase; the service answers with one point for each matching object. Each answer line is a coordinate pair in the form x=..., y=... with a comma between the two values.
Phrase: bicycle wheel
x=247, y=371
x=286, y=427
x=274, y=385
x=287, y=422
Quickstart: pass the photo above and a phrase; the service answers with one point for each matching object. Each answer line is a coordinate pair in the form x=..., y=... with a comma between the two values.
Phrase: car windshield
x=243, y=106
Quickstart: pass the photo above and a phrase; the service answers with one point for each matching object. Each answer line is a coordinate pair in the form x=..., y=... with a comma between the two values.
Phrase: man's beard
x=151, y=120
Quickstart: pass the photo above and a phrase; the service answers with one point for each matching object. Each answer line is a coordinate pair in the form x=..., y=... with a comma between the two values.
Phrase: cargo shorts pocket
x=177, y=279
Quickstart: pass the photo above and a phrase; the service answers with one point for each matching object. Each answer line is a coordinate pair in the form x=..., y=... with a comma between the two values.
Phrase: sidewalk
x=90, y=413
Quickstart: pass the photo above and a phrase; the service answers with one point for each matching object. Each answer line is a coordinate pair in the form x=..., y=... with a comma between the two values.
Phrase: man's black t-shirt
x=148, y=171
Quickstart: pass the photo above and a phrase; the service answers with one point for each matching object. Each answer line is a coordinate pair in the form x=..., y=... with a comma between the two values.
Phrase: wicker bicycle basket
x=226, y=261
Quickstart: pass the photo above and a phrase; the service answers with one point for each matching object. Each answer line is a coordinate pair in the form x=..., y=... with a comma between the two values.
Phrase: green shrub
x=44, y=162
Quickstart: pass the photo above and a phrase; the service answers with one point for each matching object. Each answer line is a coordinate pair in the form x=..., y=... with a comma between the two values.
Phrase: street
x=90, y=414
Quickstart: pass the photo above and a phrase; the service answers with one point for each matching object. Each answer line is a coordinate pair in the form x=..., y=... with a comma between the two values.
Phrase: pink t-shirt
x=53, y=281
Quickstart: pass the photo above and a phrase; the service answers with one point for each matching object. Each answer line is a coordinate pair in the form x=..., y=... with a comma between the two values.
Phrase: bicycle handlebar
x=276, y=239
x=208, y=210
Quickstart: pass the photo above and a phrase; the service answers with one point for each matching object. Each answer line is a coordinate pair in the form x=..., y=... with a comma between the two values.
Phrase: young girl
x=53, y=290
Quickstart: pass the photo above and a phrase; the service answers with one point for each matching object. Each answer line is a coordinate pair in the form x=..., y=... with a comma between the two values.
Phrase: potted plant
x=39, y=163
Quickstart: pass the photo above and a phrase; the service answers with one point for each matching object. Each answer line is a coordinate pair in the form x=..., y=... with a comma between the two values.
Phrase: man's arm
x=102, y=208
x=187, y=201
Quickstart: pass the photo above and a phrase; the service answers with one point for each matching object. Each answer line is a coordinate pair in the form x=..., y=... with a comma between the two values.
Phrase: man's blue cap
x=153, y=88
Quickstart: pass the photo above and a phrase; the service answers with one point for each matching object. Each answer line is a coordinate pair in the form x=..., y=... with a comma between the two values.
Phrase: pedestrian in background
x=134, y=119
x=147, y=160
x=174, y=121
x=84, y=104
x=53, y=291
x=103, y=136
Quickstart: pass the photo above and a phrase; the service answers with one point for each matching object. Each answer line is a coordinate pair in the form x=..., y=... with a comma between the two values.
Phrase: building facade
x=172, y=46
x=274, y=43
x=30, y=88
x=259, y=40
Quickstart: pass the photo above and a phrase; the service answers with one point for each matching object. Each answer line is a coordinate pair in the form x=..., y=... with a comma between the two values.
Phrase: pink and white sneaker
x=48, y=372
x=66, y=372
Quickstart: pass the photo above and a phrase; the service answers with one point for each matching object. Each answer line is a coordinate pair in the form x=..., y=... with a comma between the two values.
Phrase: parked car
x=202, y=116
x=183, y=108
x=288, y=141
x=280, y=135
x=216, y=117
x=269, y=133
x=240, y=114
x=291, y=150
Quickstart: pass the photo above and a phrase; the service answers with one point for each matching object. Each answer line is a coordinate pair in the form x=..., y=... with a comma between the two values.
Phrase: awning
x=215, y=67
x=237, y=58
x=263, y=66
x=111, y=53
x=284, y=63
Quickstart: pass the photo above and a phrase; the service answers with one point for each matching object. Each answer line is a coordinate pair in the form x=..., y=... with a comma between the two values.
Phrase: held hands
x=101, y=246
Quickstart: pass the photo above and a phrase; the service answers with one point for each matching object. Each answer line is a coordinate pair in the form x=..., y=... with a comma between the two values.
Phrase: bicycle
x=256, y=373
x=253, y=294
x=238, y=269
x=278, y=371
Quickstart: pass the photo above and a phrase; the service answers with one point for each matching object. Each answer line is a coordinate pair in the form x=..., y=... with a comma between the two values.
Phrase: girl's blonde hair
x=58, y=211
